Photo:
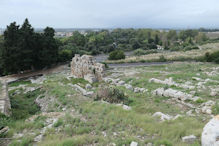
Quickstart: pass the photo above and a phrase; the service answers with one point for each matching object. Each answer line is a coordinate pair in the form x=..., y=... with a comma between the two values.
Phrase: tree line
x=106, y=41
x=22, y=49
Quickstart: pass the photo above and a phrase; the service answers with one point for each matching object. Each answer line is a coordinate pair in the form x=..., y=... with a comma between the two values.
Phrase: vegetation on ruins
x=86, y=121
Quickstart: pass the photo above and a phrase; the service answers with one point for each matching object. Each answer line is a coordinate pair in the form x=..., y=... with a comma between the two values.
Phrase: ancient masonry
x=5, y=105
x=87, y=68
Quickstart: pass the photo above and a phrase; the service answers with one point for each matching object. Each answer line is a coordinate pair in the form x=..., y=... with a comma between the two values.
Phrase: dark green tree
x=11, y=52
x=49, y=53
x=26, y=45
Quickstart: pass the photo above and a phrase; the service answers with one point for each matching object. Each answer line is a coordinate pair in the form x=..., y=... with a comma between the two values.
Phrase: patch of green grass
x=215, y=109
x=58, y=123
x=59, y=140
x=26, y=141
x=14, y=84
x=23, y=105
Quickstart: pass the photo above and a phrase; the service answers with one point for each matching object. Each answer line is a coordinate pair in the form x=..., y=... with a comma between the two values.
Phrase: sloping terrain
x=164, y=103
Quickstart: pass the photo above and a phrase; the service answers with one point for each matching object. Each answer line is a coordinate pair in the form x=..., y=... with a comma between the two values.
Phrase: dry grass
x=173, y=56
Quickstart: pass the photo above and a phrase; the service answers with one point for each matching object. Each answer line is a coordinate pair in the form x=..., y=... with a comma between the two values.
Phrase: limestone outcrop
x=86, y=67
x=210, y=134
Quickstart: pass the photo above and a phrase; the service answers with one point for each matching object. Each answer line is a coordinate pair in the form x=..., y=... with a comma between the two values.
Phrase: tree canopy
x=23, y=49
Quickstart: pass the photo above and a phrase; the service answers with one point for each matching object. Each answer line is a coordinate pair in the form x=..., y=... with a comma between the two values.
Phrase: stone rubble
x=133, y=143
x=44, y=102
x=189, y=139
x=206, y=107
x=38, y=80
x=170, y=82
x=125, y=107
x=4, y=130
x=210, y=134
x=215, y=72
x=87, y=68
x=119, y=82
x=49, y=122
x=165, y=117
x=83, y=91
x=88, y=86
x=174, y=94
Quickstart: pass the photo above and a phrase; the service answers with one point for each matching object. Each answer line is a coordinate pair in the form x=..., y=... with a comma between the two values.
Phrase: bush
x=162, y=59
x=65, y=55
x=214, y=57
x=111, y=94
x=139, y=52
x=116, y=55
x=191, y=48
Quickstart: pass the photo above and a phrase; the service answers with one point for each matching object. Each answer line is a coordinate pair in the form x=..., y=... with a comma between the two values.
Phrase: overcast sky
x=111, y=13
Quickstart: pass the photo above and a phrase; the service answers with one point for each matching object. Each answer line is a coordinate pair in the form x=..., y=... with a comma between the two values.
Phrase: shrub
x=191, y=48
x=162, y=59
x=116, y=55
x=111, y=94
x=65, y=55
x=95, y=52
x=214, y=57
x=139, y=52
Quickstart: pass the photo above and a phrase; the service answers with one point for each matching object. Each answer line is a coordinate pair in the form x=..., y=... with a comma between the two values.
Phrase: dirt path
x=137, y=64
x=14, y=77
x=59, y=68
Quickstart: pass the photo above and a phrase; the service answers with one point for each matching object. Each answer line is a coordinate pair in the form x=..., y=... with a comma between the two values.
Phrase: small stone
x=189, y=113
x=189, y=139
x=192, y=92
x=213, y=93
x=129, y=87
x=136, y=90
x=163, y=117
x=121, y=83
x=133, y=143
x=149, y=144
x=125, y=107
x=38, y=138
x=88, y=86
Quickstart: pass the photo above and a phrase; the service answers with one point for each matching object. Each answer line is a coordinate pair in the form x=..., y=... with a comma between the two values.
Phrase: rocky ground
x=166, y=105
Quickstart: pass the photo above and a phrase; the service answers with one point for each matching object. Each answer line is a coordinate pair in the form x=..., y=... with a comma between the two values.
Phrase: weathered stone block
x=87, y=68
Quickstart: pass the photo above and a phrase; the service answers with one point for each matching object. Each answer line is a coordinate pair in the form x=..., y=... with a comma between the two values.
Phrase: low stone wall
x=87, y=68
x=5, y=105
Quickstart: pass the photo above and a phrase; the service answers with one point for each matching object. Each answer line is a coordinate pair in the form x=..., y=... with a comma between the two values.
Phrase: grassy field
x=81, y=120
x=192, y=55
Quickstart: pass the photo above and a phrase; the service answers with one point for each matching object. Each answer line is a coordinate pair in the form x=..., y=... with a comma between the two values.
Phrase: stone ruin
x=86, y=67
x=5, y=105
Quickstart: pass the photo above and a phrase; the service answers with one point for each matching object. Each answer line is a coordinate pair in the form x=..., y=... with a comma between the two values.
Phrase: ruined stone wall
x=87, y=68
x=5, y=105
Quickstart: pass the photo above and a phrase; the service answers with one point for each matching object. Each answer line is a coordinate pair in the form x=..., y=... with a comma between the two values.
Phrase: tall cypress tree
x=49, y=52
x=27, y=45
x=11, y=52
